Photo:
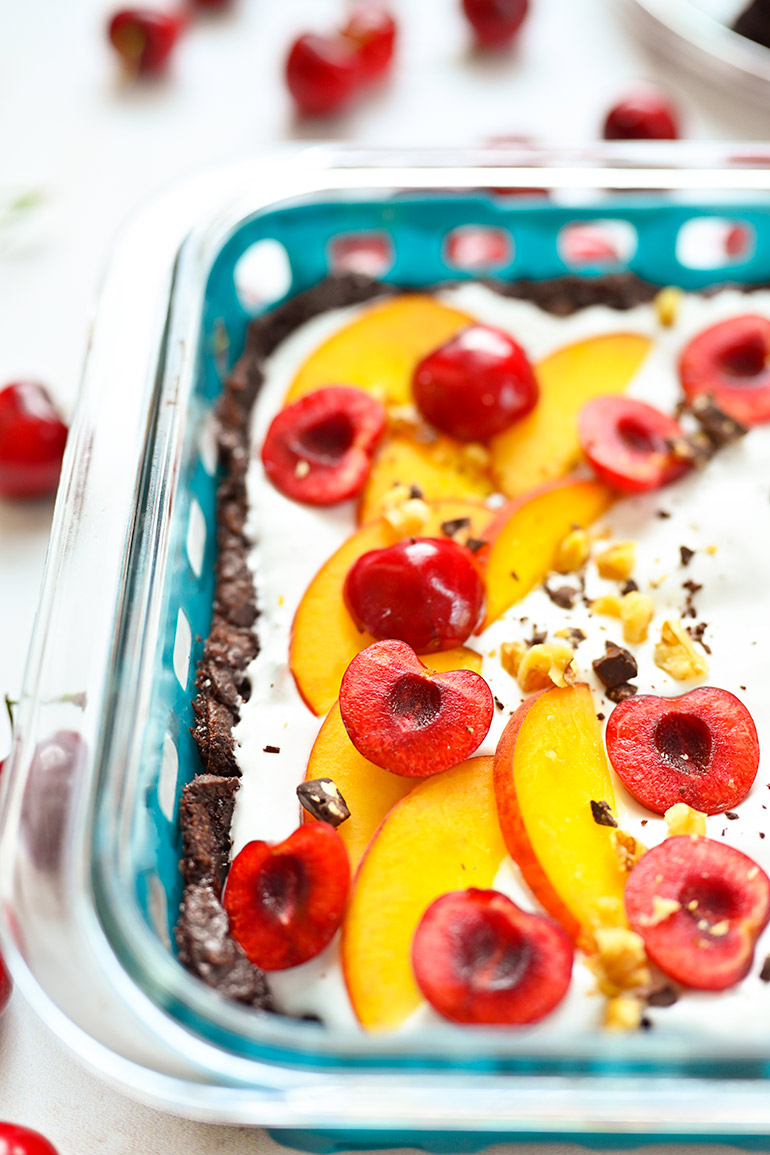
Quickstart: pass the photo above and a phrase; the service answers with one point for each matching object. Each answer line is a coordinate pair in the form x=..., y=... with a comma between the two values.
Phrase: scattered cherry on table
x=495, y=22
x=16, y=1140
x=32, y=440
x=144, y=38
x=371, y=31
x=642, y=115
x=6, y=986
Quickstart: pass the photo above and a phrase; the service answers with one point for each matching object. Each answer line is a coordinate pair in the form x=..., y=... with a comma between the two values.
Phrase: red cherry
x=700, y=748
x=584, y=244
x=32, y=438
x=322, y=73
x=6, y=986
x=425, y=591
x=16, y=1140
x=737, y=240
x=319, y=449
x=495, y=22
x=285, y=902
x=144, y=38
x=371, y=31
x=643, y=115
x=731, y=361
x=212, y=4
x=707, y=941
x=627, y=444
x=476, y=385
x=408, y=720
x=479, y=958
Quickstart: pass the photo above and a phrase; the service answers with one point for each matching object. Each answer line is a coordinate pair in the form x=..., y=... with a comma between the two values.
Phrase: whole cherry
x=6, y=986
x=476, y=385
x=425, y=591
x=16, y=1140
x=144, y=38
x=642, y=115
x=495, y=22
x=285, y=901
x=479, y=958
x=32, y=439
x=322, y=73
x=628, y=444
x=371, y=31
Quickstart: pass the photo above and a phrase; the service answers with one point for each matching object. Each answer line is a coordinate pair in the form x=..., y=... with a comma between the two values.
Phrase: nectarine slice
x=544, y=444
x=440, y=469
x=527, y=532
x=444, y=835
x=380, y=349
x=324, y=637
x=549, y=766
x=369, y=791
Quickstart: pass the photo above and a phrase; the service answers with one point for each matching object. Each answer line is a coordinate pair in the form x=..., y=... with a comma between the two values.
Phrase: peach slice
x=526, y=534
x=544, y=444
x=549, y=766
x=380, y=349
x=369, y=791
x=324, y=637
x=440, y=469
x=444, y=835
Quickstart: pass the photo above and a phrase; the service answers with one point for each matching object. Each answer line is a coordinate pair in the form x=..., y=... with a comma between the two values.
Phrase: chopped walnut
x=662, y=908
x=617, y=561
x=609, y=604
x=573, y=552
x=636, y=612
x=623, y=1013
x=476, y=454
x=511, y=654
x=682, y=819
x=411, y=516
x=302, y=468
x=546, y=664
x=627, y=848
x=403, y=417
x=676, y=654
x=666, y=305
x=609, y=910
x=620, y=962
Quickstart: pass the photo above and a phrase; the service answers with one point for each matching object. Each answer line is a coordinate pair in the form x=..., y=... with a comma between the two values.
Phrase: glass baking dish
x=89, y=885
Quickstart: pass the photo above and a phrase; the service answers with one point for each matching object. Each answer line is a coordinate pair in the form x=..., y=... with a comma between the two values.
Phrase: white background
x=95, y=148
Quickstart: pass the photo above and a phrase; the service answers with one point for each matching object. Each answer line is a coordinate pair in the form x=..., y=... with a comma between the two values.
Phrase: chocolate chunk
x=696, y=449
x=538, y=637
x=563, y=596
x=602, y=814
x=474, y=544
x=620, y=693
x=615, y=666
x=205, y=814
x=686, y=554
x=688, y=609
x=600, y=716
x=454, y=525
x=416, y=494
x=646, y=1024
x=663, y=514
x=271, y=749
x=207, y=949
x=574, y=635
x=321, y=798
x=718, y=426
x=629, y=587
x=731, y=815
x=500, y=705
x=664, y=996
x=764, y=974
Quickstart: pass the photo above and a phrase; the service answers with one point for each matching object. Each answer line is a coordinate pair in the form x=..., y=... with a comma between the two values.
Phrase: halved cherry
x=495, y=22
x=731, y=362
x=371, y=31
x=285, y=902
x=479, y=958
x=699, y=906
x=404, y=718
x=319, y=449
x=476, y=385
x=322, y=73
x=700, y=748
x=627, y=444
x=425, y=591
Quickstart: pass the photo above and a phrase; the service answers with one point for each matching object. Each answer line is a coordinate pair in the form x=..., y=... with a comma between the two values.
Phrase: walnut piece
x=682, y=819
x=662, y=908
x=666, y=305
x=608, y=604
x=620, y=962
x=617, y=561
x=623, y=1013
x=676, y=654
x=511, y=654
x=546, y=664
x=627, y=848
x=407, y=517
x=573, y=552
x=636, y=612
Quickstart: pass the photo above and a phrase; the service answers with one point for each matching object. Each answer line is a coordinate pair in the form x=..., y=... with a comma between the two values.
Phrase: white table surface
x=96, y=148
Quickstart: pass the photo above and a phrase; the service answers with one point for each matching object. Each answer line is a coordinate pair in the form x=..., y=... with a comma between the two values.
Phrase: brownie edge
x=207, y=949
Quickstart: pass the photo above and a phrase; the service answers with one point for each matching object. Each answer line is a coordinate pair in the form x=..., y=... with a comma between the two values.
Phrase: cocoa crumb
x=697, y=632
x=620, y=693
x=602, y=814
x=692, y=588
x=474, y=544
x=271, y=749
x=731, y=815
x=500, y=705
x=562, y=596
x=663, y=514
x=629, y=587
x=538, y=637
x=416, y=494
x=664, y=996
x=454, y=525
x=764, y=974
x=600, y=716
x=686, y=554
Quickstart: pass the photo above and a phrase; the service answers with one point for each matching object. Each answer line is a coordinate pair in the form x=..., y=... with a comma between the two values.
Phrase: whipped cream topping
x=722, y=513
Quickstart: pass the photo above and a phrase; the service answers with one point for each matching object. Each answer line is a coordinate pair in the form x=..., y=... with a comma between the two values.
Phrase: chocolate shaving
x=500, y=705
x=686, y=554
x=602, y=814
x=474, y=544
x=629, y=587
x=695, y=449
x=663, y=997
x=620, y=693
x=600, y=716
x=764, y=974
x=663, y=514
x=688, y=610
x=321, y=798
x=696, y=633
x=538, y=637
x=731, y=815
x=574, y=635
x=720, y=428
x=415, y=493
x=271, y=749
x=454, y=525
x=563, y=596
x=615, y=666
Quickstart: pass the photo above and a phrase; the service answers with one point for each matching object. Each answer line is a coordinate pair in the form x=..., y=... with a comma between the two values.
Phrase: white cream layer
x=727, y=506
